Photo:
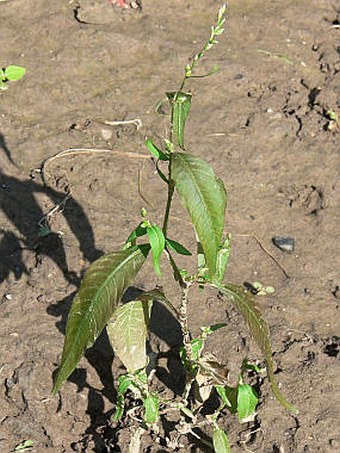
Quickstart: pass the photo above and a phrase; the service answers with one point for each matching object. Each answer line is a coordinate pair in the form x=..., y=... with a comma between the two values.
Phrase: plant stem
x=171, y=189
x=177, y=274
x=216, y=30
x=183, y=320
x=185, y=78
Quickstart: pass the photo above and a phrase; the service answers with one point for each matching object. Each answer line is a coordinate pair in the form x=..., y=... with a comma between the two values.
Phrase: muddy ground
x=261, y=122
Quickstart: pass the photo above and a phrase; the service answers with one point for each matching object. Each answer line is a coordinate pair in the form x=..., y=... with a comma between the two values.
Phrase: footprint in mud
x=310, y=199
x=97, y=13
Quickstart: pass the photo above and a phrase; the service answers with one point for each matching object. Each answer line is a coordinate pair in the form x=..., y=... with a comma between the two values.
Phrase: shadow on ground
x=18, y=202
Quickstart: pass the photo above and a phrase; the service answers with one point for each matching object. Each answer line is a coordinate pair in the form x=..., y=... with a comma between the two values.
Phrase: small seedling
x=9, y=74
x=334, y=122
x=283, y=58
x=262, y=290
x=26, y=445
x=98, y=302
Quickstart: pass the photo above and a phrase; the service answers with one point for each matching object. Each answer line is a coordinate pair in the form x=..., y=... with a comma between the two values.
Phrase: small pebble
x=336, y=292
x=284, y=243
x=335, y=443
x=106, y=134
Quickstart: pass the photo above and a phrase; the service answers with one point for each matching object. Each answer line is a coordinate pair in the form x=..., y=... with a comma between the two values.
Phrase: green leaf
x=332, y=115
x=14, y=72
x=124, y=382
x=136, y=233
x=24, y=445
x=103, y=286
x=128, y=332
x=155, y=151
x=141, y=377
x=223, y=255
x=156, y=294
x=223, y=394
x=187, y=412
x=197, y=345
x=180, y=104
x=157, y=242
x=128, y=382
x=247, y=401
x=177, y=247
x=220, y=441
x=246, y=365
x=231, y=395
x=205, y=198
x=259, y=330
x=44, y=231
x=119, y=408
x=151, y=406
x=269, y=289
x=201, y=261
x=211, y=329
x=169, y=145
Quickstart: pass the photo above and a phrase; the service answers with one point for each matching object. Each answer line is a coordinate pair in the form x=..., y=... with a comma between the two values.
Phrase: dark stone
x=284, y=243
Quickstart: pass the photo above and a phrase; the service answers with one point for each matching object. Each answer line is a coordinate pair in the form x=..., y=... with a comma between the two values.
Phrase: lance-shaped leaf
x=136, y=233
x=177, y=247
x=259, y=331
x=223, y=394
x=125, y=383
x=103, y=286
x=159, y=296
x=157, y=242
x=128, y=332
x=220, y=441
x=155, y=151
x=205, y=198
x=180, y=104
x=151, y=406
x=223, y=255
x=247, y=401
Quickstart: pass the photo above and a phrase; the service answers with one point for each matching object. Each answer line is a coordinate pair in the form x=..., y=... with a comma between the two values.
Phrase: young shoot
x=98, y=303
